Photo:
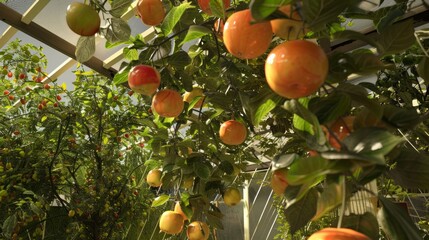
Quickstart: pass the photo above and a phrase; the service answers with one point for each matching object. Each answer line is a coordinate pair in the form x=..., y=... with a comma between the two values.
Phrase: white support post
x=246, y=211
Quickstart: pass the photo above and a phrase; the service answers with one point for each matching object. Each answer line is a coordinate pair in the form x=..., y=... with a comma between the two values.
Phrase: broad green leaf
x=173, y=17
x=411, y=170
x=423, y=69
x=117, y=31
x=300, y=213
x=371, y=141
x=365, y=62
x=215, y=219
x=319, y=13
x=179, y=59
x=305, y=170
x=385, y=17
x=160, y=200
x=354, y=35
x=9, y=225
x=121, y=76
x=131, y=54
x=85, y=48
x=396, y=38
x=217, y=8
x=365, y=223
x=263, y=110
x=329, y=199
x=195, y=32
x=283, y=161
x=119, y=7
x=402, y=118
x=359, y=94
x=330, y=108
x=396, y=222
x=301, y=124
x=261, y=9
x=202, y=170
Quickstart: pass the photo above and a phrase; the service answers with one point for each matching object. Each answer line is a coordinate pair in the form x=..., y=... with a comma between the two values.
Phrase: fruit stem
x=343, y=202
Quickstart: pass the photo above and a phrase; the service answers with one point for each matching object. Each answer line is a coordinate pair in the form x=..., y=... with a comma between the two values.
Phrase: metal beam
x=13, y=18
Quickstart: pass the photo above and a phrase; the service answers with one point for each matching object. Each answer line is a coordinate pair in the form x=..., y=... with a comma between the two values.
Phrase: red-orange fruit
x=232, y=132
x=245, y=39
x=296, y=69
x=338, y=234
x=144, y=79
x=167, y=103
x=205, y=5
x=151, y=12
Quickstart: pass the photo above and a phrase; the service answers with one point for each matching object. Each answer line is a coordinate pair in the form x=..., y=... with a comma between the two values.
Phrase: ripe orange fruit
x=196, y=92
x=167, y=103
x=231, y=196
x=244, y=39
x=291, y=28
x=279, y=182
x=171, y=222
x=342, y=128
x=179, y=210
x=144, y=79
x=151, y=12
x=338, y=234
x=205, y=5
x=232, y=132
x=296, y=69
x=153, y=178
x=198, y=231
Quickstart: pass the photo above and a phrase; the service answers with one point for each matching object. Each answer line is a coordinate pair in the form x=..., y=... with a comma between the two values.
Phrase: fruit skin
x=231, y=196
x=296, y=69
x=82, y=19
x=171, y=222
x=245, y=40
x=205, y=5
x=291, y=28
x=144, y=79
x=196, y=92
x=153, y=178
x=198, y=231
x=232, y=132
x=167, y=103
x=179, y=210
x=342, y=128
x=151, y=12
x=278, y=181
x=338, y=234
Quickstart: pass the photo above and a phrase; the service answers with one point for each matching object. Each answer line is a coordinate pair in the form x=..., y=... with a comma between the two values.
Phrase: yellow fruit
x=171, y=222
x=231, y=196
x=198, y=231
x=153, y=178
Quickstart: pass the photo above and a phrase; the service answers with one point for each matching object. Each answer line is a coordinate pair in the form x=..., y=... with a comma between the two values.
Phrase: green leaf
x=173, y=17
x=385, y=17
x=396, y=222
x=330, y=108
x=195, y=32
x=365, y=62
x=354, y=35
x=396, y=38
x=217, y=8
x=179, y=59
x=261, y=9
x=283, y=161
x=318, y=13
x=300, y=213
x=365, y=223
x=330, y=198
x=202, y=170
x=9, y=225
x=371, y=141
x=305, y=170
x=294, y=106
x=117, y=31
x=160, y=200
x=119, y=7
x=411, y=170
x=401, y=117
x=359, y=94
x=423, y=69
x=121, y=76
x=301, y=124
x=263, y=110
x=85, y=48
x=131, y=54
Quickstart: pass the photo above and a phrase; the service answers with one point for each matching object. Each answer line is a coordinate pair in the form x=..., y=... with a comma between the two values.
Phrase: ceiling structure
x=42, y=23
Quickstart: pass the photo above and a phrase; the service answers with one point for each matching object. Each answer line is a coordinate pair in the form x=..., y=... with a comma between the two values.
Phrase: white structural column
x=246, y=211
